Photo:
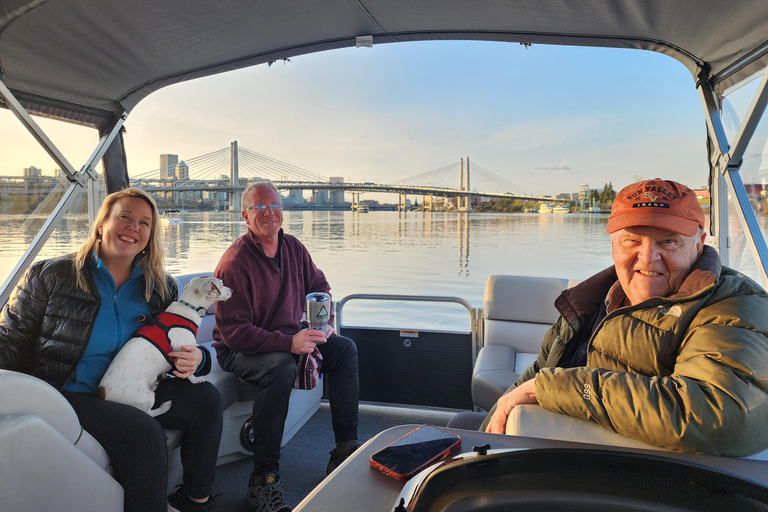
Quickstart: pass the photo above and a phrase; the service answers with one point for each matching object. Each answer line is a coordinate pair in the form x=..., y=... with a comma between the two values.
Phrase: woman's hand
x=525, y=393
x=187, y=361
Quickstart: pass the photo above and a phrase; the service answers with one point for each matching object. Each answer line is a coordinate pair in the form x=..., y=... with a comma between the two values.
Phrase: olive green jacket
x=687, y=372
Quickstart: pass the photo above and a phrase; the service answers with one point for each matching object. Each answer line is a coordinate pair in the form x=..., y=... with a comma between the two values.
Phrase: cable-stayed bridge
x=231, y=170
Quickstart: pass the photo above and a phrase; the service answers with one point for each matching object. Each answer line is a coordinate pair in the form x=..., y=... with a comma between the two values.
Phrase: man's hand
x=187, y=360
x=525, y=393
x=329, y=331
x=305, y=341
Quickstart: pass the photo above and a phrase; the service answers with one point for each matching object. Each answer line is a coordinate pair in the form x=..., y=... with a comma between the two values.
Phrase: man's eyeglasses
x=259, y=208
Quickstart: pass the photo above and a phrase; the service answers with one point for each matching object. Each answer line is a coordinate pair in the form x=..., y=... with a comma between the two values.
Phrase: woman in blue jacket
x=67, y=319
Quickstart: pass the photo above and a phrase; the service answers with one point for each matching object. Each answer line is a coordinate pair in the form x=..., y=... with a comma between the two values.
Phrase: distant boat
x=561, y=209
x=594, y=209
x=545, y=208
x=362, y=208
x=170, y=217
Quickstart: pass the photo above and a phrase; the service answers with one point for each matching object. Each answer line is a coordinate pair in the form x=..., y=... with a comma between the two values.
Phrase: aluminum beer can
x=318, y=310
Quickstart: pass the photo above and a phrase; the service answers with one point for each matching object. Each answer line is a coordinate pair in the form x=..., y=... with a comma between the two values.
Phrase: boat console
x=524, y=473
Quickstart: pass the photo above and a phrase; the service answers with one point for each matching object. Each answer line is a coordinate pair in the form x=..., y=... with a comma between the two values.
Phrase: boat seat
x=531, y=420
x=237, y=396
x=517, y=311
x=41, y=439
x=47, y=460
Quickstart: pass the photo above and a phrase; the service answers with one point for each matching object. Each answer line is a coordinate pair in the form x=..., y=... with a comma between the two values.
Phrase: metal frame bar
x=719, y=140
x=726, y=164
x=20, y=112
x=751, y=121
x=754, y=235
x=77, y=179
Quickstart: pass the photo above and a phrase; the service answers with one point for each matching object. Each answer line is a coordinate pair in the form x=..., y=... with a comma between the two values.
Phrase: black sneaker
x=337, y=457
x=180, y=502
x=265, y=494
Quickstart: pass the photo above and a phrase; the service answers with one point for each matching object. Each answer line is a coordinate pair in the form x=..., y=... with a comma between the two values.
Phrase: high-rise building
x=337, y=196
x=32, y=172
x=295, y=196
x=320, y=197
x=182, y=171
x=168, y=164
x=583, y=193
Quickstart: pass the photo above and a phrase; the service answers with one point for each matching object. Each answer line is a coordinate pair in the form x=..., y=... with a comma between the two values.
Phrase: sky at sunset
x=544, y=118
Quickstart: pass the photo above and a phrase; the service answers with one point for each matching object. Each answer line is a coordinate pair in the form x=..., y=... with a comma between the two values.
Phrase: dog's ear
x=214, y=290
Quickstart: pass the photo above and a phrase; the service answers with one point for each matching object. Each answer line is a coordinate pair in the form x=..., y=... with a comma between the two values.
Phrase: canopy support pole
x=726, y=161
x=78, y=180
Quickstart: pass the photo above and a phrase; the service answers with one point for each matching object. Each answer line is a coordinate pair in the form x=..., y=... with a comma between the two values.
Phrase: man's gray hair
x=245, y=199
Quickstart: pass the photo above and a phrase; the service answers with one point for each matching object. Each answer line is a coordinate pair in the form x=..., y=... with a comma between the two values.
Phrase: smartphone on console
x=414, y=451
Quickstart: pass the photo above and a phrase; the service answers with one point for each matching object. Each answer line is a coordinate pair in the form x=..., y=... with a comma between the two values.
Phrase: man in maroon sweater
x=259, y=337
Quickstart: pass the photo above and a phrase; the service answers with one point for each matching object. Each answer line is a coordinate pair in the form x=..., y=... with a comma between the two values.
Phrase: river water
x=413, y=253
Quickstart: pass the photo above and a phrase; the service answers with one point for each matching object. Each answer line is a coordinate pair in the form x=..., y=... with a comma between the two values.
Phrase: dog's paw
x=162, y=409
x=195, y=380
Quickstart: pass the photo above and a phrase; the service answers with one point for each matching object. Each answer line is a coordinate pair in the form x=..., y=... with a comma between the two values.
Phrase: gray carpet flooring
x=304, y=458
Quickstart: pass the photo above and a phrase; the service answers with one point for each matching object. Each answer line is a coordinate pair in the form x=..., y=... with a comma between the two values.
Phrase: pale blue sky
x=545, y=118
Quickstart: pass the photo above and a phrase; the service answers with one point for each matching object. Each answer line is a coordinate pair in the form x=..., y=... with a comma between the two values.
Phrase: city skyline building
x=32, y=172
x=168, y=164
x=336, y=196
x=182, y=171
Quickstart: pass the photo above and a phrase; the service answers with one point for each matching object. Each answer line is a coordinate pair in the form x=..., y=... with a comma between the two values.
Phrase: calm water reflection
x=380, y=252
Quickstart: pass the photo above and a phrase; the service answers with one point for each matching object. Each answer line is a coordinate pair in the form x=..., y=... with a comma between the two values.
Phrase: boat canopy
x=88, y=62
x=92, y=62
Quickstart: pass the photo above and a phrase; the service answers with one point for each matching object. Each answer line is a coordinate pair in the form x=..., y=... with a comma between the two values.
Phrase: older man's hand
x=525, y=393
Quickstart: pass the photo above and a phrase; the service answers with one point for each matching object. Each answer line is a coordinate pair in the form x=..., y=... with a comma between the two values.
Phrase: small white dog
x=134, y=374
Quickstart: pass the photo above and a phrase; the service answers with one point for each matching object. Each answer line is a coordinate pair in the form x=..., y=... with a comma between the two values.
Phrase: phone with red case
x=414, y=451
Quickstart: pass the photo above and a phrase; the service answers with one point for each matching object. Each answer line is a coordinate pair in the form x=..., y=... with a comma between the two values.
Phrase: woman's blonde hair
x=153, y=256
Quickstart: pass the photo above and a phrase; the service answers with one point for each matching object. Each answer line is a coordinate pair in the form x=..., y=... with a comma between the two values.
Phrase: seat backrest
x=518, y=310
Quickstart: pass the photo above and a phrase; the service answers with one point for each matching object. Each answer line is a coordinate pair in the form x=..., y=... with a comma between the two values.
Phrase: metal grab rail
x=473, y=312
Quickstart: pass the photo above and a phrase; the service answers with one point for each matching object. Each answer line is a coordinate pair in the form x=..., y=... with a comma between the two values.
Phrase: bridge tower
x=463, y=201
x=234, y=180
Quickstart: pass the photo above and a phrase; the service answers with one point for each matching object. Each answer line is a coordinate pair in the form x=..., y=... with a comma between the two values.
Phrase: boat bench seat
x=41, y=439
x=517, y=311
x=237, y=396
x=531, y=420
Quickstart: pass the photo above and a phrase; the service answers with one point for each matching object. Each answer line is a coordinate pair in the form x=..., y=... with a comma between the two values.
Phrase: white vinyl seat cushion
x=517, y=312
x=532, y=420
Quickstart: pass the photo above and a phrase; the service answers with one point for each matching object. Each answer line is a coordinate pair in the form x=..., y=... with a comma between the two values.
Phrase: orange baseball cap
x=657, y=203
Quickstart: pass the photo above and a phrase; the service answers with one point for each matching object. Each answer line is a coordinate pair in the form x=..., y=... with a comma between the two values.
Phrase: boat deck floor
x=304, y=458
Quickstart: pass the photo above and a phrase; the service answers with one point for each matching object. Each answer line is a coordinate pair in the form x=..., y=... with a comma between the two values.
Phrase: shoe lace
x=275, y=496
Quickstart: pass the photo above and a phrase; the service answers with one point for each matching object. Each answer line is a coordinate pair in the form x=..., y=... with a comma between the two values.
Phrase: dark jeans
x=136, y=443
x=274, y=373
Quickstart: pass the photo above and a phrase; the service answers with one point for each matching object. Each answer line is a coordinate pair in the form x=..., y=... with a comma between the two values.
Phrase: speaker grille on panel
x=429, y=369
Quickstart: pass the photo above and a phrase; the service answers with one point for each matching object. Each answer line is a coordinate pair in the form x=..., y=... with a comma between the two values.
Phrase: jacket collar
x=260, y=247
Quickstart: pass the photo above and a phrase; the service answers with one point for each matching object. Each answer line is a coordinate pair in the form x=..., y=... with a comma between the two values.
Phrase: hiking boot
x=180, y=502
x=265, y=494
x=338, y=456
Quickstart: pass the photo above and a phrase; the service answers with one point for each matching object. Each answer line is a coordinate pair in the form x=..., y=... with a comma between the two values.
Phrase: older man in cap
x=667, y=346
